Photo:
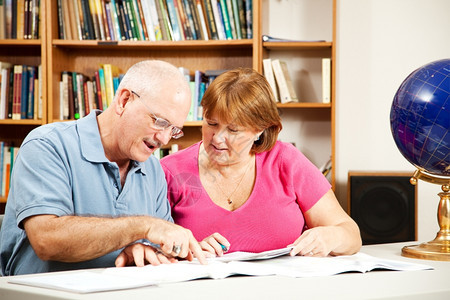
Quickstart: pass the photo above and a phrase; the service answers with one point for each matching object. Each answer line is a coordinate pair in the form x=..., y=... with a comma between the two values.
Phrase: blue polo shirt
x=61, y=169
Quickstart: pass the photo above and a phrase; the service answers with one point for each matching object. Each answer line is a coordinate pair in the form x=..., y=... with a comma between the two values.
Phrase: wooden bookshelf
x=303, y=50
x=57, y=55
x=31, y=52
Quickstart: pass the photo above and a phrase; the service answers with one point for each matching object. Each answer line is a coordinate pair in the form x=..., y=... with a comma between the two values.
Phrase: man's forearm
x=74, y=239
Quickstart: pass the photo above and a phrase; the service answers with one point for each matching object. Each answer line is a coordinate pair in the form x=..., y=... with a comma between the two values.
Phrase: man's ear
x=122, y=98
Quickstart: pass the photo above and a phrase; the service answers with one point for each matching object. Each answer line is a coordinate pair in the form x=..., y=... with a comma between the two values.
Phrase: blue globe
x=420, y=118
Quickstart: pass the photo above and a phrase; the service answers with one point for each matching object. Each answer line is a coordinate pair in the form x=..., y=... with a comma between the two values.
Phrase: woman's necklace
x=229, y=200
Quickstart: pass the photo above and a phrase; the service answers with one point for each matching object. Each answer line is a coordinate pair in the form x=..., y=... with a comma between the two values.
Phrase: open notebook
x=252, y=264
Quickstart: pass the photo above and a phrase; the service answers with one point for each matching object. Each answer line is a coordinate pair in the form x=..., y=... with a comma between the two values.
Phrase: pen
x=224, y=248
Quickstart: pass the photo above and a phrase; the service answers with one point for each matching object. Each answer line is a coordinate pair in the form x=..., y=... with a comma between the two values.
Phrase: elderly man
x=83, y=191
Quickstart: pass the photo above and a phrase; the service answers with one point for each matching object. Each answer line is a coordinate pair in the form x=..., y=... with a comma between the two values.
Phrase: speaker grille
x=383, y=207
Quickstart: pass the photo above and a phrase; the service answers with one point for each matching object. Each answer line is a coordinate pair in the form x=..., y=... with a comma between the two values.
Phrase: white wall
x=379, y=43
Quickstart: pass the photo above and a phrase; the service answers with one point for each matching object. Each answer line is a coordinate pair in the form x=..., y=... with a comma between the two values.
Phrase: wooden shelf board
x=297, y=45
x=202, y=45
x=22, y=122
x=303, y=105
x=15, y=43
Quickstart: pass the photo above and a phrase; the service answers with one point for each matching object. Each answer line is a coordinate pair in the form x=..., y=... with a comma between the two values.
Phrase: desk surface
x=426, y=284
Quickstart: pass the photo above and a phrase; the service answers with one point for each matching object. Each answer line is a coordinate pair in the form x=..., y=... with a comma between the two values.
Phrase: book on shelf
x=110, y=71
x=225, y=17
x=249, y=18
x=86, y=281
x=17, y=92
x=202, y=20
x=326, y=80
x=268, y=73
x=148, y=19
x=268, y=38
x=5, y=69
x=284, y=82
x=210, y=19
x=183, y=20
x=218, y=20
x=154, y=20
x=173, y=18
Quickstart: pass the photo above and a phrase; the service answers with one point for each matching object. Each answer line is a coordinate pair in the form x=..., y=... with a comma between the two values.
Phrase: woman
x=242, y=189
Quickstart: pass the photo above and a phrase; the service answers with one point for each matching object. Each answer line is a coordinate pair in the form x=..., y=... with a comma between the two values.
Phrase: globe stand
x=439, y=248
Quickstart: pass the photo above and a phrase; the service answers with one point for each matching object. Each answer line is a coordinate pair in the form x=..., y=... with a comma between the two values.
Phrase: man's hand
x=140, y=254
x=175, y=240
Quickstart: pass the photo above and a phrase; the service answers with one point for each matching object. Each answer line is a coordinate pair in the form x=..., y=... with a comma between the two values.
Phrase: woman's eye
x=212, y=124
x=233, y=130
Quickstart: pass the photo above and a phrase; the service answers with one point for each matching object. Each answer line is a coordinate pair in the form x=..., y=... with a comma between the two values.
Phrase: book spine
x=125, y=21
x=70, y=100
x=101, y=74
x=201, y=16
x=87, y=105
x=249, y=18
x=166, y=18
x=17, y=91
x=117, y=26
x=11, y=94
x=76, y=105
x=236, y=17
x=281, y=81
x=222, y=6
x=61, y=29
x=241, y=9
x=173, y=20
x=121, y=20
x=181, y=12
x=31, y=78
x=65, y=95
x=147, y=19
x=109, y=20
x=96, y=26
x=139, y=17
x=80, y=94
x=231, y=18
x=20, y=19
x=218, y=20
x=326, y=80
x=67, y=24
x=190, y=19
x=24, y=93
x=153, y=9
x=268, y=73
x=40, y=106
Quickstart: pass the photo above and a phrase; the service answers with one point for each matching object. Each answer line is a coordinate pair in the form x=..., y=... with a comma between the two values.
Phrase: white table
x=427, y=284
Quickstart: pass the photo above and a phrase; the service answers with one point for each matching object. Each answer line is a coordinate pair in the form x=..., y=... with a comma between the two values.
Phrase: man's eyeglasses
x=162, y=124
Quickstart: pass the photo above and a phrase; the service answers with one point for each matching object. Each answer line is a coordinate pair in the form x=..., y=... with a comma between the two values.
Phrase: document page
x=81, y=281
x=241, y=255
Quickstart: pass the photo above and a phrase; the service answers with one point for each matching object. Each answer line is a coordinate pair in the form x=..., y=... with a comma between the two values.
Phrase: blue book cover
x=249, y=18
x=24, y=93
x=173, y=21
x=31, y=78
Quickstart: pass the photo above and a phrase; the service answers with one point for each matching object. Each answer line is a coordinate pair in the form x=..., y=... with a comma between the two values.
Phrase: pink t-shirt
x=286, y=184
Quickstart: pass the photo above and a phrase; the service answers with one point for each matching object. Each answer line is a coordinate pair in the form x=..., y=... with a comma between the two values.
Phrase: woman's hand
x=140, y=255
x=331, y=230
x=313, y=242
x=215, y=244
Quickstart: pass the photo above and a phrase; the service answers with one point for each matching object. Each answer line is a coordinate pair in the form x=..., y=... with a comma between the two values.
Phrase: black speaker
x=383, y=205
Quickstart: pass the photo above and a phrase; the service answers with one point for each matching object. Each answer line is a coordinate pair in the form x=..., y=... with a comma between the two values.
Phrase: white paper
x=131, y=277
x=81, y=281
